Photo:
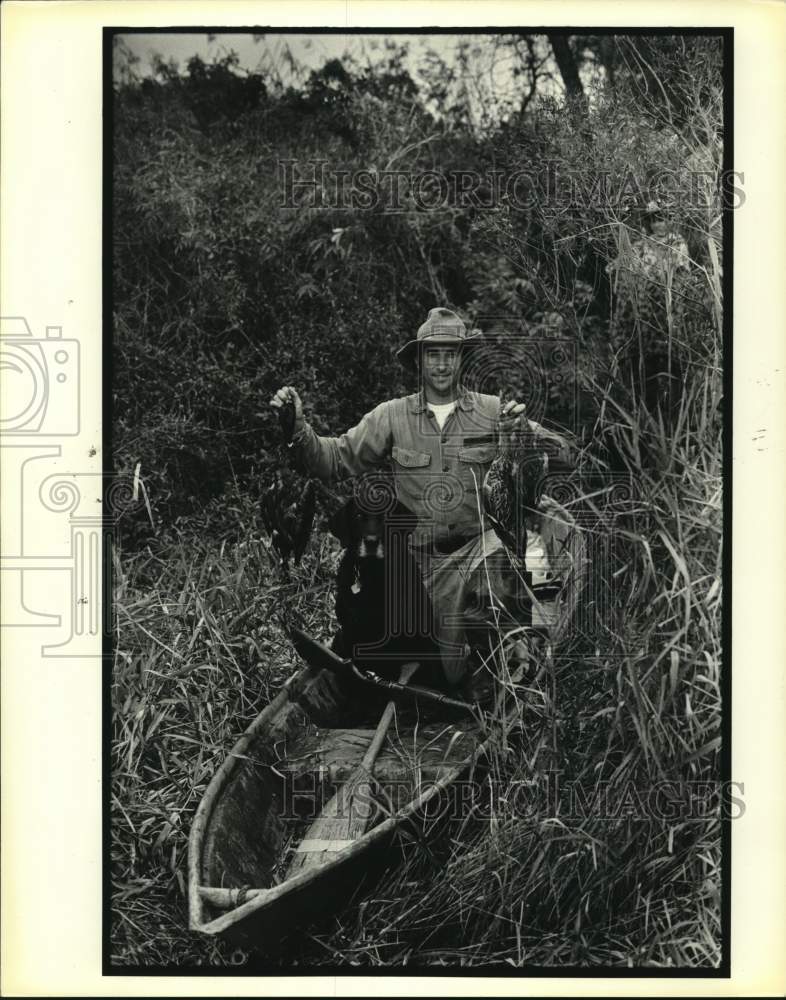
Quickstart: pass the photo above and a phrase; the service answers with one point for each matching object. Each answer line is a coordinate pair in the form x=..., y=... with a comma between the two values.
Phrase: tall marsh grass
x=530, y=875
x=562, y=856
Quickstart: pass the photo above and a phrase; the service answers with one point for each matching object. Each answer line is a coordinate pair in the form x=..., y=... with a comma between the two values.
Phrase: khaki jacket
x=438, y=472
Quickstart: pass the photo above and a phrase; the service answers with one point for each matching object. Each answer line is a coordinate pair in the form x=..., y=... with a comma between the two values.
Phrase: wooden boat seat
x=413, y=757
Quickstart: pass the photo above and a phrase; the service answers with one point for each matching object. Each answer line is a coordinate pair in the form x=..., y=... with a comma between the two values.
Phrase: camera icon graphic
x=40, y=381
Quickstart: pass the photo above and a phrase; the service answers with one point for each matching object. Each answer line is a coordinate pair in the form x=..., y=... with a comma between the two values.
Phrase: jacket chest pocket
x=474, y=463
x=411, y=469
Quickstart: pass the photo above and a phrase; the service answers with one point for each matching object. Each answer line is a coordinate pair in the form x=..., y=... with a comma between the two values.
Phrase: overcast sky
x=490, y=61
x=311, y=50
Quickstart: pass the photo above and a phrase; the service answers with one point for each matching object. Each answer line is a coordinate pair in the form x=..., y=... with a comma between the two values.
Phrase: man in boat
x=440, y=442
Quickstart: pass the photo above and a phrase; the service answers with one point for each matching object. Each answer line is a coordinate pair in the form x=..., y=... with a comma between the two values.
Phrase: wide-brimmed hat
x=442, y=327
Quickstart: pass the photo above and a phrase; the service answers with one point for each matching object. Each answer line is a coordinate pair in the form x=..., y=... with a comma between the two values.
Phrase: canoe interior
x=291, y=768
x=284, y=772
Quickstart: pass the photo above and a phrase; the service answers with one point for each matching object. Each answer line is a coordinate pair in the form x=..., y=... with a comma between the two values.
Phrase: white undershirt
x=441, y=411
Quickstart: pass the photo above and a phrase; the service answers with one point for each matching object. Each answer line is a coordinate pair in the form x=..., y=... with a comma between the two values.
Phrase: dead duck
x=513, y=485
x=288, y=512
x=289, y=524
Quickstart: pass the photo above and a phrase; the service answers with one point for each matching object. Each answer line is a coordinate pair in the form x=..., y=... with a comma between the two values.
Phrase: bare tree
x=567, y=64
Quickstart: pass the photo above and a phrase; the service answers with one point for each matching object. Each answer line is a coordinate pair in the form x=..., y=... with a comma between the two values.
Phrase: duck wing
x=498, y=489
x=305, y=523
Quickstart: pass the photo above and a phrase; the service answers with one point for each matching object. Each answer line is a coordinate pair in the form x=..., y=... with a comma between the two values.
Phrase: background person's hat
x=442, y=328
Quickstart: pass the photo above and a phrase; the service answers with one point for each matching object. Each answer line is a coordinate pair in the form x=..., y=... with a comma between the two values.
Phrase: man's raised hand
x=290, y=410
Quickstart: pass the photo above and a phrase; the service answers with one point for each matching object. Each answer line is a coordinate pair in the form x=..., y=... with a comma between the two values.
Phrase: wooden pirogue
x=243, y=884
x=295, y=756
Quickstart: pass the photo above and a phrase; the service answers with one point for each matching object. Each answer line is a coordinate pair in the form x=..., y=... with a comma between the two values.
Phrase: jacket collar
x=417, y=402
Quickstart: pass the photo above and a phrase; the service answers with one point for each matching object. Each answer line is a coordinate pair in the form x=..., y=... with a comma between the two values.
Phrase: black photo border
x=723, y=971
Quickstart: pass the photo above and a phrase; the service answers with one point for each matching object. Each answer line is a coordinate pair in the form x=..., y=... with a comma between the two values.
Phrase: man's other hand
x=510, y=413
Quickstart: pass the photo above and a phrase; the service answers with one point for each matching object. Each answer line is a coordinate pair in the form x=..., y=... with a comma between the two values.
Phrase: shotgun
x=317, y=654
